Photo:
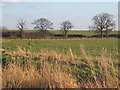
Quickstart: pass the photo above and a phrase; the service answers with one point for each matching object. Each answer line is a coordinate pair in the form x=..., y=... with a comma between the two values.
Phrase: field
x=59, y=45
x=60, y=63
x=63, y=46
x=77, y=60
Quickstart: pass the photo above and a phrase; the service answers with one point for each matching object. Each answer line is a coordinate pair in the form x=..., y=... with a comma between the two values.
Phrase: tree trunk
x=22, y=34
x=65, y=35
x=101, y=34
x=44, y=34
x=106, y=34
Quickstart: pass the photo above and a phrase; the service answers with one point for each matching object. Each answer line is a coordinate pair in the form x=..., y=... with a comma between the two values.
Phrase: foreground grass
x=51, y=69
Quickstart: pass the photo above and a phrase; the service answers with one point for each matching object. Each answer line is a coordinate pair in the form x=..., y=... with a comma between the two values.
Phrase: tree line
x=103, y=23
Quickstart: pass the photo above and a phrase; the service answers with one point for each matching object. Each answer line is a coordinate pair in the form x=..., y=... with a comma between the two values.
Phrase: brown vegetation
x=49, y=69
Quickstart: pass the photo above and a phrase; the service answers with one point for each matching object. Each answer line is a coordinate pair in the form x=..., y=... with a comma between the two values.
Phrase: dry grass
x=0, y=75
x=55, y=71
x=18, y=77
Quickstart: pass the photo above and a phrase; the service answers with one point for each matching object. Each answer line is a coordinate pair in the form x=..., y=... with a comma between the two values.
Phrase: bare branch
x=21, y=25
x=42, y=24
x=103, y=23
x=66, y=26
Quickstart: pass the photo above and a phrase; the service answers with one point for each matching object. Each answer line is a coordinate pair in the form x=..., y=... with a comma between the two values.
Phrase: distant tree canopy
x=103, y=23
x=43, y=24
x=66, y=26
x=21, y=25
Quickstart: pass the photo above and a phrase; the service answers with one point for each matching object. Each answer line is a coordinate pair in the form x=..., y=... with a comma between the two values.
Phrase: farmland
x=64, y=45
x=80, y=61
x=54, y=45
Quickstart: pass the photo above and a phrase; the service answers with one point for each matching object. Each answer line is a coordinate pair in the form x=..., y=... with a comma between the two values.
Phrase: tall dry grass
x=0, y=75
x=15, y=76
x=50, y=69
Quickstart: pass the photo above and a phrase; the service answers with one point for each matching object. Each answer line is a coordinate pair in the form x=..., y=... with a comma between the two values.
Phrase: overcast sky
x=79, y=13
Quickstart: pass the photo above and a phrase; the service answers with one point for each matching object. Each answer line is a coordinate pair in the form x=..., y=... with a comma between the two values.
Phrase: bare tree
x=103, y=23
x=21, y=25
x=66, y=26
x=42, y=24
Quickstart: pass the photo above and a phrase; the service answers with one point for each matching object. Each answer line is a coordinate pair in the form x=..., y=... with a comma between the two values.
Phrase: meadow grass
x=50, y=69
x=82, y=63
x=93, y=46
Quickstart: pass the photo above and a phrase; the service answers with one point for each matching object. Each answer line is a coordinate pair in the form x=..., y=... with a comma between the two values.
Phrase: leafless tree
x=103, y=23
x=21, y=25
x=42, y=24
x=66, y=26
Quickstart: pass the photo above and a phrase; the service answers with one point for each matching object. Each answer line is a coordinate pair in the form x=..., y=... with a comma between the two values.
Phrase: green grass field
x=63, y=46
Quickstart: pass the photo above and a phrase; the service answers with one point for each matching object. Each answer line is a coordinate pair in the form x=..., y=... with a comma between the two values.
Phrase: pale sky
x=60, y=0
x=79, y=13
